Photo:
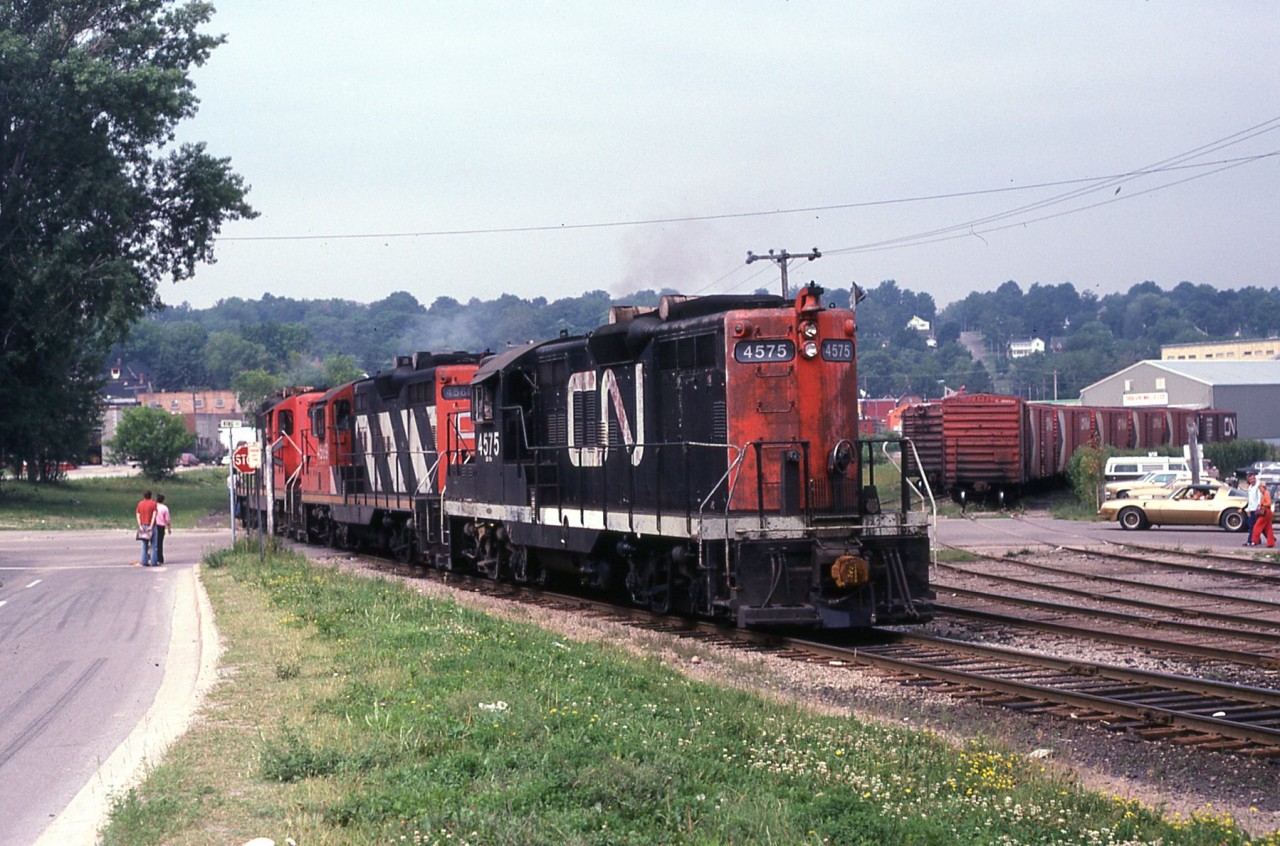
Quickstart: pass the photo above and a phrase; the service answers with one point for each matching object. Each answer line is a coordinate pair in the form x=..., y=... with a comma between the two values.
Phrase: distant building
x=1249, y=388
x=204, y=412
x=1025, y=347
x=124, y=381
x=918, y=324
x=1249, y=350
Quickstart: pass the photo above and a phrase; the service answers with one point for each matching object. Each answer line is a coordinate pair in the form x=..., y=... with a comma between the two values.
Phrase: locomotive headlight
x=809, y=329
x=810, y=349
x=849, y=571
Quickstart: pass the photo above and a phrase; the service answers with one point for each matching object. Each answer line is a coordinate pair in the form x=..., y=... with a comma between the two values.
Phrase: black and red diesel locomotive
x=699, y=458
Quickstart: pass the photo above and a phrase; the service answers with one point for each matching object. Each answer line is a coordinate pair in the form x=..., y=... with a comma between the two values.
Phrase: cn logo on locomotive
x=606, y=383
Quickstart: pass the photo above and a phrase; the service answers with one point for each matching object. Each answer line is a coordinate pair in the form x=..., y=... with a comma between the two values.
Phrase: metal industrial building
x=1249, y=388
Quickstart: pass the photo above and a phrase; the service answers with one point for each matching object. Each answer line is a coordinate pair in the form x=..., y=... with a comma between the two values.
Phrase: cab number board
x=751, y=352
x=837, y=350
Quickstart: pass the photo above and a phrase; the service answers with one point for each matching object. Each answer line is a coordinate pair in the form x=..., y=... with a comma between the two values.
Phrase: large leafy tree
x=97, y=205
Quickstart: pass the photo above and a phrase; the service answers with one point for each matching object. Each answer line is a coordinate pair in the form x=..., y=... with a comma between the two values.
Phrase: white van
x=1128, y=467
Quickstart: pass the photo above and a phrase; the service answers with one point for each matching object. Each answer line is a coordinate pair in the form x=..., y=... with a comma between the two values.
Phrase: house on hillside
x=923, y=327
x=1025, y=346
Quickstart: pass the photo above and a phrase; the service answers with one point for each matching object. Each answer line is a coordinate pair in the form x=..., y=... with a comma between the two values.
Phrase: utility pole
x=781, y=259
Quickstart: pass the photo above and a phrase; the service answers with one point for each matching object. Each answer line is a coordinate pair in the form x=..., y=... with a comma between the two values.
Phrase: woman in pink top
x=162, y=528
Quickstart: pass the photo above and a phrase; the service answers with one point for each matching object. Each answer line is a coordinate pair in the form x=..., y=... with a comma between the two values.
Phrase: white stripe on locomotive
x=610, y=399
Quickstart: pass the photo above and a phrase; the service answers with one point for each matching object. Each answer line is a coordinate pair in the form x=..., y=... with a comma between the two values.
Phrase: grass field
x=108, y=503
x=355, y=711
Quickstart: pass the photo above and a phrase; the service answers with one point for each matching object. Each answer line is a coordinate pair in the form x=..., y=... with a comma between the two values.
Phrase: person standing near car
x=1254, y=490
x=162, y=529
x=1263, y=524
x=146, y=514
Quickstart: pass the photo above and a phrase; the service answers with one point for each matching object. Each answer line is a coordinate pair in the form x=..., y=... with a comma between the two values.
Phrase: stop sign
x=240, y=459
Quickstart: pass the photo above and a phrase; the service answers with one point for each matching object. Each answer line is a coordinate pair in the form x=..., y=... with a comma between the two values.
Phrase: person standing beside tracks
x=1262, y=525
x=146, y=514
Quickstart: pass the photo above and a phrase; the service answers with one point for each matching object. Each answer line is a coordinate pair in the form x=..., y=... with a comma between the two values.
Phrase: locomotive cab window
x=317, y=421
x=342, y=414
x=482, y=401
x=284, y=422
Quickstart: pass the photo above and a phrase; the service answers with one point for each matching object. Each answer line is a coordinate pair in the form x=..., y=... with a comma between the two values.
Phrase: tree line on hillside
x=276, y=341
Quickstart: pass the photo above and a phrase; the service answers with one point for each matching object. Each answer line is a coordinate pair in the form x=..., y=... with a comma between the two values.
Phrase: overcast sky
x=470, y=148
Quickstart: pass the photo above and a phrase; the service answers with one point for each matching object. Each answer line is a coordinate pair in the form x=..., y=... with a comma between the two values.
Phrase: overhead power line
x=1091, y=183
x=981, y=226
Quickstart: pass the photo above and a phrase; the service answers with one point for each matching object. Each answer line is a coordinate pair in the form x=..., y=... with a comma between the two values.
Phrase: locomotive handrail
x=431, y=473
x=732, y=472
x=557, y=486
x=524, y=429
x=928, y=489
x=924, y=479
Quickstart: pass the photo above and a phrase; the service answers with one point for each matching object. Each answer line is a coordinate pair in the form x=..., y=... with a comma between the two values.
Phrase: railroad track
x=1207, y=714
x=1154, y=706
x=1263, y=629
x=1242, y=630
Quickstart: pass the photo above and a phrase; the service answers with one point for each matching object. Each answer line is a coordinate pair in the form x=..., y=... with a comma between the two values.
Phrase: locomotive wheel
x=402, y=544
x=660, y=588
x=1133, y=518
x=1232, y=520
x=524, y=568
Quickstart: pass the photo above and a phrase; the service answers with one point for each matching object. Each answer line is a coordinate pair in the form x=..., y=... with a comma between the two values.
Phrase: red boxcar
x=922, y=424
x=1003, y=443
x=983, y=445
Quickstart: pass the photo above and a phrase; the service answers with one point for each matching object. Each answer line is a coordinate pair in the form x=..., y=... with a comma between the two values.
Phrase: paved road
x=101, y=665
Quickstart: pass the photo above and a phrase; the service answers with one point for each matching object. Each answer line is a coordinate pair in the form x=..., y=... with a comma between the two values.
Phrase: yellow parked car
x=1187, y=505
x=1152, y=481
x=1153, y=485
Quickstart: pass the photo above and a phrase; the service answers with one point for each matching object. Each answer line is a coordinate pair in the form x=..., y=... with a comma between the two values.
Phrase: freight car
x=995, y=445
x=695, y=458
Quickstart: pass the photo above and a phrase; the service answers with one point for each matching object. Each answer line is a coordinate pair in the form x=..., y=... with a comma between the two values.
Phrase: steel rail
x=1234, y=656
x=1216, y=556
x=1119, y=616
x=1190, y=684
x=1220, y=616
x=1268, y=578
x=1147, y=712
x=1265, y=604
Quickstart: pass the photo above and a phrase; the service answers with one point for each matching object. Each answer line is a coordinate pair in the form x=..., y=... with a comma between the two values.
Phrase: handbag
x=143, y=534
